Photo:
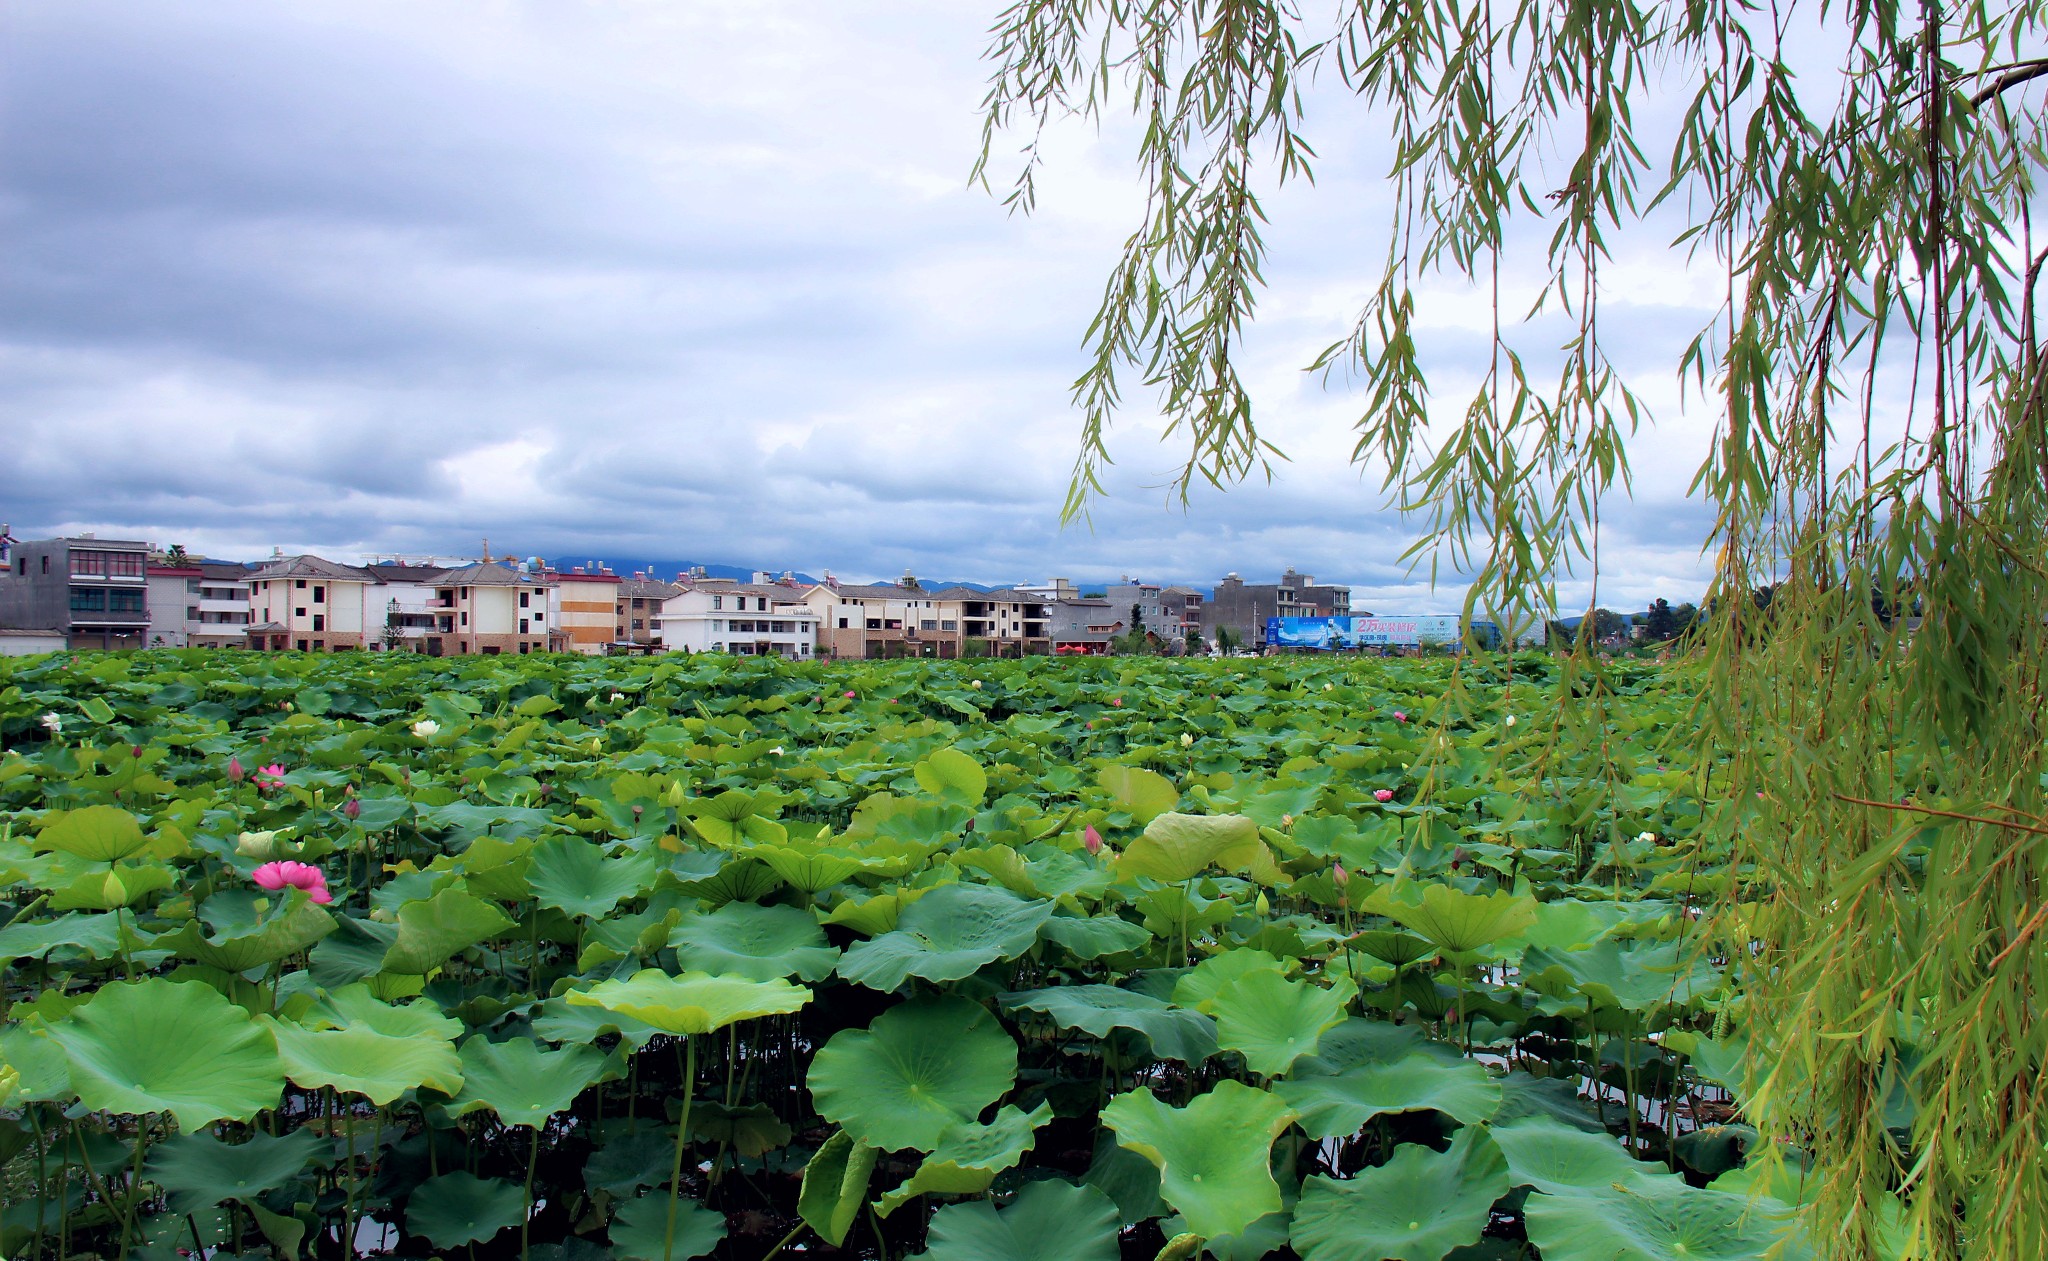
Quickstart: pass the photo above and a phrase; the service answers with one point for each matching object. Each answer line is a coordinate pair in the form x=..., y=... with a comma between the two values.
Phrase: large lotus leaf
x=169, y=1046
x=1095, y=937
x=1659, y=1219
x=1126, y=1178
x=953, y=775
x=1553, y=1098
x=759, y=943
x=1048, y=1221
x=100, y=834
x=1454, y=919
x=354, y=1005
x=1142, y=794
x=460, y=1208
x=1360, y=1041
x=297, y=924
x=693, y=1002
x=103, y=890
x=522, y=1083
x=360, y=1059
x=1273, y=1021
x=873, y=916
x=559, y=1020
x=950, y=933
x=200, y=1171
x=1339, y=1105
x=814, y=870
x=1557, y=1158
x=1213, y=975
x=1213, y=1155
x=577, y=877
x=835, y=1186
x=921, y=1067
x=1416, y=1207
x=629, y=1160
x=640, y=1230
x=1178, y=847
x=433, y=930
x=1175, y=1033
x=1397, y=948
x=354, y=951
x=96, y=936
x=969, y=1156
x=1615, y=974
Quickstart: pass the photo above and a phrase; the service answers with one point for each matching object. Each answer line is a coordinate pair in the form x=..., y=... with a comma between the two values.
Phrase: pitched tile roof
x=310, y=567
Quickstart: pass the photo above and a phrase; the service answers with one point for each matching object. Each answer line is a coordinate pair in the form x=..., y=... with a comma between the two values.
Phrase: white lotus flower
x=1186, y=739
x=1511, y=720
x=53, y=723
x=1647, y=838
x=777, y=750
x=426, y=728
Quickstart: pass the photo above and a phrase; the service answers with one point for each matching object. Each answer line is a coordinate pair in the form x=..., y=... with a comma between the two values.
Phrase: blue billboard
x=1338, y=634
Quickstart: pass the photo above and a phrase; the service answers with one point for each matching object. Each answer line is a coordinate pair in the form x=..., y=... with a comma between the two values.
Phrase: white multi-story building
x=743, y=618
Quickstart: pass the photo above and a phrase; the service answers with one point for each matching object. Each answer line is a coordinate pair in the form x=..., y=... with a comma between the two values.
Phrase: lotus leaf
x=1453, y=919
x=522, y=1083
x=835, y=1186
x=1175, y=1033
x=169, y=1046
x=751, y=1131
x=1048, y=1221
x=460, y=1208
x=758, y=943
x=1178, y=847
x=694, y=1002
x=1213, y=975
x=1557, y=1158
x=950, y=933
x=1273, y=1021
x=921, y=1067
x=1339, y=1105
x=1658, y=1219
x=969, y=1156
x=1418, y=1206
x=579, y=878
x=296, y=924
x=630, y=1160
x=95, y=936
x=198, y=1170
x=358, y=1058
x=1095, y=937
x=953, y=775
x=100, y=834
x=640, y=1230
x=433, y=930
x=1142, y=794
x=1212, y=1155
x=559, y=1020
x=1615, y=974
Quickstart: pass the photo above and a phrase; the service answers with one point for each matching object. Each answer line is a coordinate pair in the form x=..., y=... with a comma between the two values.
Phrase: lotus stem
x=526, y=1222
x=675, y=1175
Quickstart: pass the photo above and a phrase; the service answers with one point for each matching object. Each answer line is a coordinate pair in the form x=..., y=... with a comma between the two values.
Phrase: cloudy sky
x=655, y=278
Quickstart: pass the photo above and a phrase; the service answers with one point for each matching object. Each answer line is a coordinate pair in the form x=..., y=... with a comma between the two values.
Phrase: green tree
x=1661, y=624
x=1875, y=378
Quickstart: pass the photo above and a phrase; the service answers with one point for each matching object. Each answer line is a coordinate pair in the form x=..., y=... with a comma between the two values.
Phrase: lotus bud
x=112, y=890
x=1400, y=715
x=1263, y=906
x=1383, y=794
x=352, y=809
x=673, y=798
x=1328, y=686
x=258, y=845
x=1091, y=839
x=1286, y=820
x=976, y=685
x=135, y=751
x=235, y=772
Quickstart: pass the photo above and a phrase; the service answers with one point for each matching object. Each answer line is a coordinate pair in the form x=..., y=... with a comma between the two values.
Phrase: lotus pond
x=705, y=957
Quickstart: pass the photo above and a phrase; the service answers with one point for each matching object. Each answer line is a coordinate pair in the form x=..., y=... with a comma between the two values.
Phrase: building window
x=191, y=586
x=298, y=612
x=302, y=643
x=523, y=627
x=124, y=601
x=928, y=624
x=319, y=622
x=523, y=598
x=639, y=624
x=874, y=623
x=319, y=595
x=88, y=600
x=465, y=619
x=192, y=613
x=300, y=584
x=842, y=623
x=718, y=602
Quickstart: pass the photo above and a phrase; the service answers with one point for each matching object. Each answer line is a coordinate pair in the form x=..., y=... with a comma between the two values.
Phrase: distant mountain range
x=668, y=569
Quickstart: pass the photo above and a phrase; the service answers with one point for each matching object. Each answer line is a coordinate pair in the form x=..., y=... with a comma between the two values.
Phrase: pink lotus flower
x=1091, y=839
x=849, y=696
x=1338, y=874
x=271, y=776
x=235, y=772
x=1400, y=715
x=1117, y=701
x=1383, y=794
x=352, y=809
x=293, y=875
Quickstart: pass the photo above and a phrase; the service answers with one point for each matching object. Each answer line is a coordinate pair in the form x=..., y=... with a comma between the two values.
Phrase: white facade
x=745, y=619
